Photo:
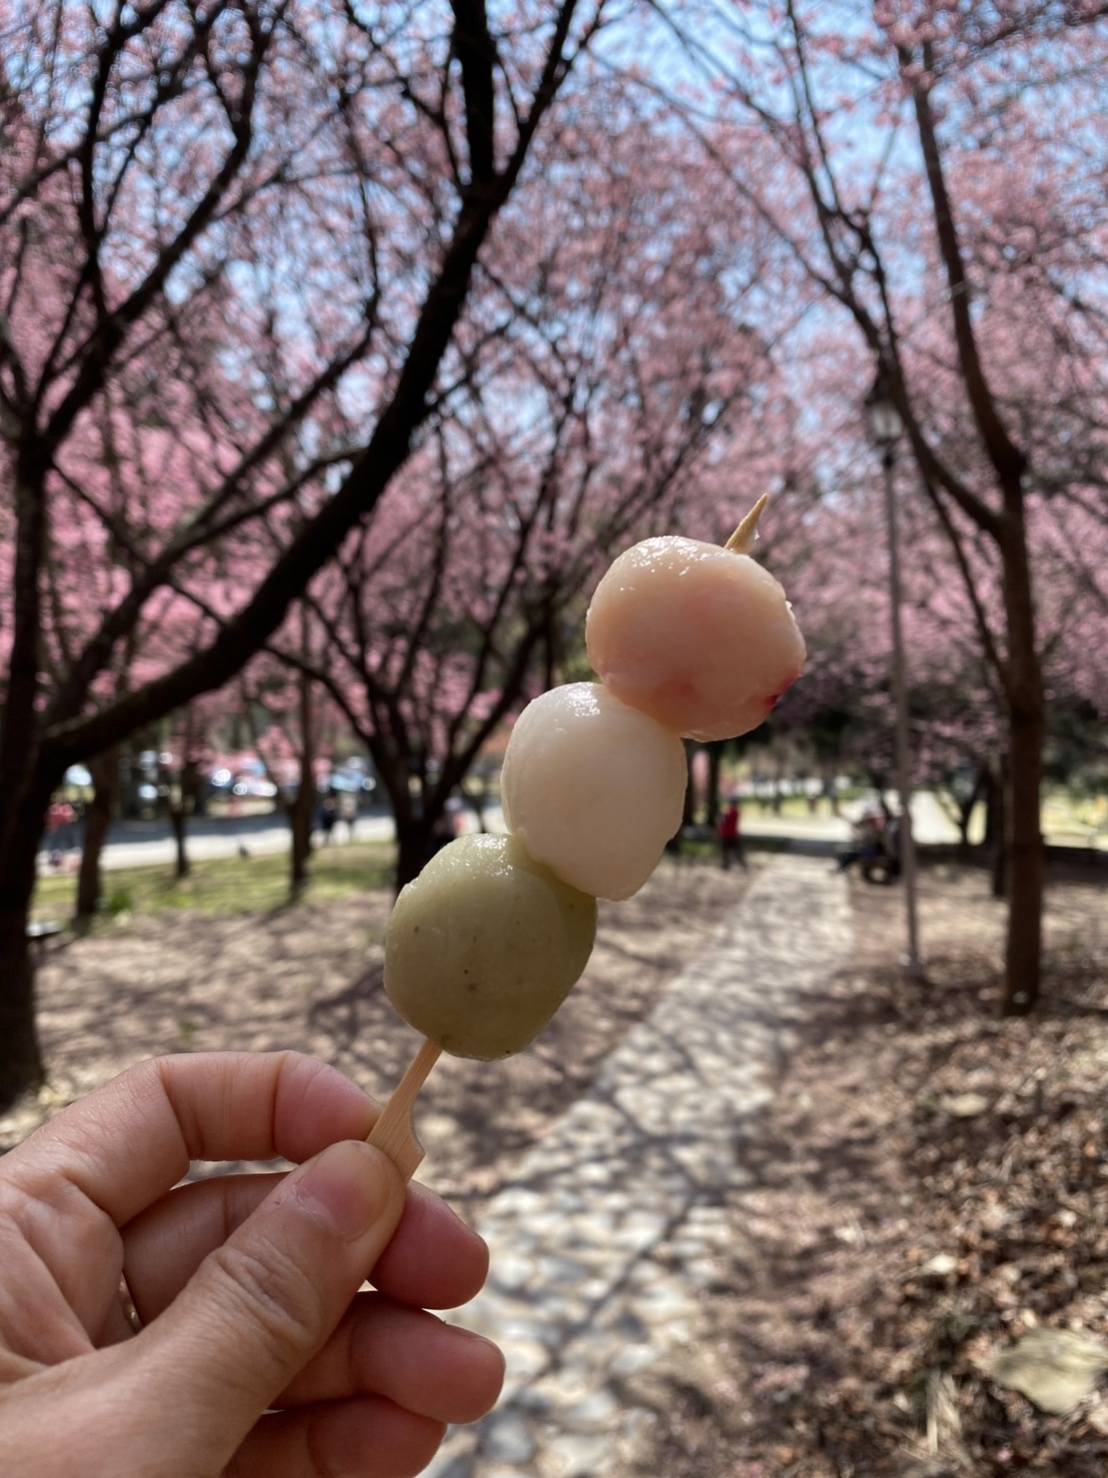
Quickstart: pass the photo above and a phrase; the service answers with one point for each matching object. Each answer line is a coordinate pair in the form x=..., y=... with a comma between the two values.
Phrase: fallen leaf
x=1054, y=1368
x=964, y=1105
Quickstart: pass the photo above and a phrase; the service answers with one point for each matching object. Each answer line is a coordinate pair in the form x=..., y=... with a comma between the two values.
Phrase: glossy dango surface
x=699, y=637
x=593, y=788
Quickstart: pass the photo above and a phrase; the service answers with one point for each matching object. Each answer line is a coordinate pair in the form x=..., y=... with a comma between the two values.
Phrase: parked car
x=252, y=782
x=351, y=777
x=242, y=776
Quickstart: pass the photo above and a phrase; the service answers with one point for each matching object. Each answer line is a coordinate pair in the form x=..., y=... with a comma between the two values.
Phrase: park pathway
x=579, y=1297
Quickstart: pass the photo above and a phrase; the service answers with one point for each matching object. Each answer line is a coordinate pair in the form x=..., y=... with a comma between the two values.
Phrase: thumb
x=261, y=1305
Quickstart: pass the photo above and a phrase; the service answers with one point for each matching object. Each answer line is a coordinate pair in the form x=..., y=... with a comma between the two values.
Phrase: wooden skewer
x=393, y=1133
x=742, y=540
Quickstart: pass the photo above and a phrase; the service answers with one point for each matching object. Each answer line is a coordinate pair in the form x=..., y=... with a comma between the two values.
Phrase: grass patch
x=226, y=885
x=1068, y=817
x=698, y=849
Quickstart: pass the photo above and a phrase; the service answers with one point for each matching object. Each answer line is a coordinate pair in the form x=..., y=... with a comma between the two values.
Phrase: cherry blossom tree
x=936, y=171
x=290, y=714
x=608, y=378
x=177, y=182
x=836, y=569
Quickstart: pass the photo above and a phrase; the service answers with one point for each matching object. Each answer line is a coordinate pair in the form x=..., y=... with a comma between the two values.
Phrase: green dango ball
x=484, y=946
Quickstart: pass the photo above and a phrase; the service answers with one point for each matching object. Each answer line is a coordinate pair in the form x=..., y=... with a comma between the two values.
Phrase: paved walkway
x=578, y=1297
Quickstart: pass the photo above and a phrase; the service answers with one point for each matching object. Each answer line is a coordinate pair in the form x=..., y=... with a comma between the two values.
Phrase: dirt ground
x=931, y=1185
x=931, y=1182
x=309, y=977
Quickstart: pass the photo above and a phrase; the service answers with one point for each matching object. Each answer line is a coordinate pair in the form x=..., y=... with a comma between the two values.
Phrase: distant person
x=348, y=812
x=730, y=836
x=866, y=845
x=325, y=817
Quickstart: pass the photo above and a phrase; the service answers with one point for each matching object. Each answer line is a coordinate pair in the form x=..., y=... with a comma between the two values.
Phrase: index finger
x=129, y=1142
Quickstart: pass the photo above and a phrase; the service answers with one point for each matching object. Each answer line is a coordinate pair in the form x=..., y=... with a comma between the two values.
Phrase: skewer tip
x=742, y=540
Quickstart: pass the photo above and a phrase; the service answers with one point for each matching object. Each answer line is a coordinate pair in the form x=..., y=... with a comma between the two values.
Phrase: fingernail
x=348, y=1186
x=497, y=1352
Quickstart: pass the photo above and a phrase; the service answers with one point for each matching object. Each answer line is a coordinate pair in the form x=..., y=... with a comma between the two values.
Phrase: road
x=149, y=843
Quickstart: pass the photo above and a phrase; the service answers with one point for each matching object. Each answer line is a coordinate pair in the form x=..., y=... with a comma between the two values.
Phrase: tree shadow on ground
x=914, y=1121
x=309, y=977
x=839, y=1351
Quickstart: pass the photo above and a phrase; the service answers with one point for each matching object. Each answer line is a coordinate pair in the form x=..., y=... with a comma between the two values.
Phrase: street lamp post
x=886, y=428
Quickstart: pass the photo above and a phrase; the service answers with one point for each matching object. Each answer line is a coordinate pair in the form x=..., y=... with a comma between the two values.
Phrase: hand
x=258, y=1357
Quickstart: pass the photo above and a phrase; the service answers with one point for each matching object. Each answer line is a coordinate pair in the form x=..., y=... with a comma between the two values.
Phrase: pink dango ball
x=699, y=637
x=593, y=789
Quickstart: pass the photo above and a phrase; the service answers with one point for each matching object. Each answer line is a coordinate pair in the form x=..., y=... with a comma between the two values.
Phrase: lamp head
x=885, y=425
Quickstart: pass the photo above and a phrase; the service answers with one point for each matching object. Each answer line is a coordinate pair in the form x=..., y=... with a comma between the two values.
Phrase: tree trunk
x=995, y=811
x=414, y=847
x=1027, y=732
x=711, y=800
x=1025, y=864
x=881, y=785
x=967, y=807
x=301, y=813
x=21, y=1063
x=178, y=819
x=687, y=816
x=478, y=799
x=302, y=810
x=185, y=806
x=688, y=809
x=1023, y=676
x=98, y=819
x=992, y=811
x=998, y=869
x=777, y=799
x=25, y=782
x=550, y=646
x=21, y=1066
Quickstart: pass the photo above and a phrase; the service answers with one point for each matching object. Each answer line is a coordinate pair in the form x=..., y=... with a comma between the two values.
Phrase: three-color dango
x=690, y=640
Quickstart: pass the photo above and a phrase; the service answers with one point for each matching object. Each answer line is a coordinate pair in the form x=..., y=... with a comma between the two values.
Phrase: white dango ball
x=700, y=637
x=593, y=788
